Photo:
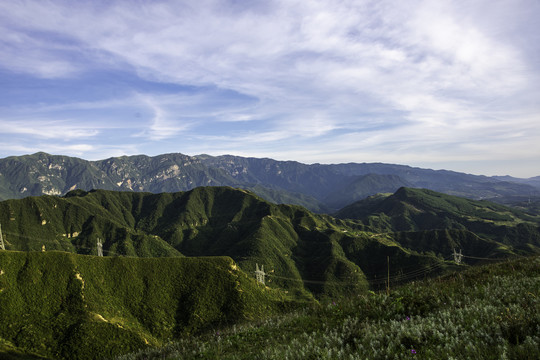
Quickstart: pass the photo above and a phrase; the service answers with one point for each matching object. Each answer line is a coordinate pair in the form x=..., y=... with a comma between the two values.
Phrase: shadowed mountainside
x=206, y=221
x=411, y=214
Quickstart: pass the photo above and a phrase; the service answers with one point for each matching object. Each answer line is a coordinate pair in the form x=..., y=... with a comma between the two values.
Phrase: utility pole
x=99, y=247
x=2, y=246
x=457, y=257
x=259, y=273
x=388, y=276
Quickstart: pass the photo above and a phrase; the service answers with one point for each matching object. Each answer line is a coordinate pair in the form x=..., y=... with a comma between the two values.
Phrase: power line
x=393, y=278
x=400, y=277
x=55, y=241
x=492, y=259
x=377, y=280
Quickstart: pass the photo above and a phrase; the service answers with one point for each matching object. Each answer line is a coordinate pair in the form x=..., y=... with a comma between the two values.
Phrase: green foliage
x=63, y=305
x=488, y=312
x=415, y=211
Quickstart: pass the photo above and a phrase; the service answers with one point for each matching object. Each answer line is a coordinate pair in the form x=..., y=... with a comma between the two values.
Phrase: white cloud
x=38, y=53
x=49, y=129
x=402, y=80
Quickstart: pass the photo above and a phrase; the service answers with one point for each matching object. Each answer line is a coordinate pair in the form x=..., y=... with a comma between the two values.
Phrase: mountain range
x=179, y=263
x=306, y=253
x=318, y=187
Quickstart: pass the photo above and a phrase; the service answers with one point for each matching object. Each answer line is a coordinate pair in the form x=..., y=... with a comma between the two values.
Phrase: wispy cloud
x=47, y=129
x=161, y=124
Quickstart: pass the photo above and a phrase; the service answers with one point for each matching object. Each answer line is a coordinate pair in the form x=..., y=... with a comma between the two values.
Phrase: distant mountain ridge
x=320, y=188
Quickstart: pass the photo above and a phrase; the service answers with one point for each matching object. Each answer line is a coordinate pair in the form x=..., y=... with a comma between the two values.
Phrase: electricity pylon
x=99, y=248
x=2, y=246
x=259, y=273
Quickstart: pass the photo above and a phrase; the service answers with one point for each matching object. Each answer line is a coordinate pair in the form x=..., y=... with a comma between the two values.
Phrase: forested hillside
x=487, y=312
x=303, y=251
x=182, y=263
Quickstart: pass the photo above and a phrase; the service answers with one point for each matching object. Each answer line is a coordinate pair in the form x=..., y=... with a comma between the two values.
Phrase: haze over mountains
x=318, y=187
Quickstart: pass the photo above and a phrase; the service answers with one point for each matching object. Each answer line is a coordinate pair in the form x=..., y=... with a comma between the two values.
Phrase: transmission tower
x=99, y=248
x=259, y=273
x=457, y=257
x=2, y=246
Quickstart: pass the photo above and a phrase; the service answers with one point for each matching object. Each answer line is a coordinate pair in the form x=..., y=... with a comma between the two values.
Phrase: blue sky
x=436, y=84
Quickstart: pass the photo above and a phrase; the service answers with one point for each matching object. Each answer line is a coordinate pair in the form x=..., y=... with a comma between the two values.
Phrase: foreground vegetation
x=487, y=312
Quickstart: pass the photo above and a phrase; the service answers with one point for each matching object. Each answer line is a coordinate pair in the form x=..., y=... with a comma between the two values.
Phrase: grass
x=488, y=312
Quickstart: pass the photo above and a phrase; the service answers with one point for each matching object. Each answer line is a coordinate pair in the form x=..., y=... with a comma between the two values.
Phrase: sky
x=436, y=84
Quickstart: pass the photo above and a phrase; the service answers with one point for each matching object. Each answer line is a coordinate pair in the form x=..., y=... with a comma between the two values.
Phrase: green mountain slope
x=68, y=306
x=209, y=221
x=302, y=252
x=175, y=289
x=414, y=215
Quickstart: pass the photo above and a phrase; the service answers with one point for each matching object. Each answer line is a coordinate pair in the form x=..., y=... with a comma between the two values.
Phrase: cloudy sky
x=436, y=84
